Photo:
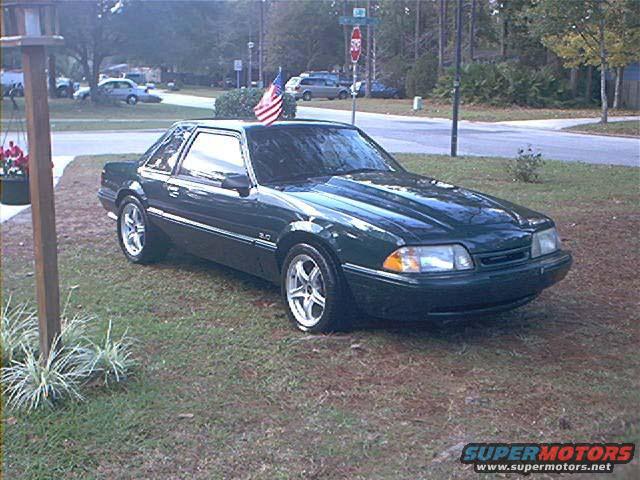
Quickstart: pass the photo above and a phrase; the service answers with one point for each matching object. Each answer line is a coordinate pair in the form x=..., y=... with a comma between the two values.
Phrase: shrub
x=240, y=104
x=526, y=166
x=19, y=331
x=422, y=77
x=506, y=83
x=110, y=359
x=30, y=381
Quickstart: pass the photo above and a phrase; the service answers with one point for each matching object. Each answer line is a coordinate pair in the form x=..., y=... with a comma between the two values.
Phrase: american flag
x=270, y=106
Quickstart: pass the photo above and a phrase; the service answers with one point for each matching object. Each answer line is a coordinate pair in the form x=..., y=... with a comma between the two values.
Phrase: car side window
x=164, y=156
x=212, y=157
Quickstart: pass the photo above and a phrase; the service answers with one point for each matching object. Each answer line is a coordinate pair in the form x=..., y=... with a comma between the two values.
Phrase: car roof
x=238, y=125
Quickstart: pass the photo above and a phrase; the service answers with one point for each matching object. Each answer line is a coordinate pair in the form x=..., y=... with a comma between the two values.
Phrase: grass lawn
x=629, y=128
x=440, y=109
x=226, y=388
x=83, y=115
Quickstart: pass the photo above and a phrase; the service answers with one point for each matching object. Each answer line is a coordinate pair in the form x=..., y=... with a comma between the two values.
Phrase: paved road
x=432, y=135
x=398, y=134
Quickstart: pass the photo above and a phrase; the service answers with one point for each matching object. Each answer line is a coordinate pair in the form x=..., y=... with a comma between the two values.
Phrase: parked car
x=342, y=80
x=379, y=90
x=120, y=89
x=323, y=210
x=307, y=88
x=65, y=87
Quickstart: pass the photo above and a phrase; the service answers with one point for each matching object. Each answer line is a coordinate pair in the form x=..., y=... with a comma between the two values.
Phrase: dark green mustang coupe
x=322, y=209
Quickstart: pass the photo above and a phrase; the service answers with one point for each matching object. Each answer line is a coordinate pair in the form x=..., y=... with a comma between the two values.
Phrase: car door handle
x=173, y=190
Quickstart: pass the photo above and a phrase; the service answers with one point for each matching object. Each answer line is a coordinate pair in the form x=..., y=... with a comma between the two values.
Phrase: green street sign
x=359, y=21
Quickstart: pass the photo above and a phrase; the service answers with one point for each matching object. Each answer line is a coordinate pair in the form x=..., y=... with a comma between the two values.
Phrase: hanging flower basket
x=14, y=190
x=14, y=178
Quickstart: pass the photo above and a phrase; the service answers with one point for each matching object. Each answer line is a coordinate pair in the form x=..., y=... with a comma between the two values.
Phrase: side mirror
x=238, y=182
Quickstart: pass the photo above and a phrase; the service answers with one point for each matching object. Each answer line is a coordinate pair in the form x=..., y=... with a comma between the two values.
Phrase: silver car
x=307, y=88
x=120, y=89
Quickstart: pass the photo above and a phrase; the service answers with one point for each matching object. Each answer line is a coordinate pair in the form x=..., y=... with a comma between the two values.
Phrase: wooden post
x=42, y=202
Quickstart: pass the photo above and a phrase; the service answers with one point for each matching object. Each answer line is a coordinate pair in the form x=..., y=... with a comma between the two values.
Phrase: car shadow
x=456, y=331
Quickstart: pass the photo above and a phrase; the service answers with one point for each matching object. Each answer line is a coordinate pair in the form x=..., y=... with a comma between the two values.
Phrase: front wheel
x=313, y=290
x=132, y=100
x=306, y=96
x=343, y=95
x=140, y=241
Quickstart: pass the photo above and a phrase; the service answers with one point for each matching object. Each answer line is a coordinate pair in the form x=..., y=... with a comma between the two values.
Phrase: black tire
x=337, y=312
x=343, y=95
x=132, y=100
x=62, y=92
x=306, y=96
x=154, y=245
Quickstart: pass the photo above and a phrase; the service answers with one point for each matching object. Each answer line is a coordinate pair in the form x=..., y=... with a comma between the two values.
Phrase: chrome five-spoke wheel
x=305, y=290
x=132, y=229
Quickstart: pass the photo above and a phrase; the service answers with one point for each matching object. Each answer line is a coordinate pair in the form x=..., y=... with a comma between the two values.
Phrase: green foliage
x=19, y=331
x=31, y=382
x=110, y=359
x=507, y=83
x=240, y=104
x=422, y=77
x=526, y=166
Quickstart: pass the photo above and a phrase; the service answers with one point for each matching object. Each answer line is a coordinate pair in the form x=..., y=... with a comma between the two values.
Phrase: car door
x=156, y=166
x=220, y=223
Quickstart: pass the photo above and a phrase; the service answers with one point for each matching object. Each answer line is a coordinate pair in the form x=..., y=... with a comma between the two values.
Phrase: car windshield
x=281, y=154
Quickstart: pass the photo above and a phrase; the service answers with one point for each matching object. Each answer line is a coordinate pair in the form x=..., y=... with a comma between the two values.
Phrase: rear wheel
x=140, y=241
x=343, y=95
x=314, y=291
x=306, y=96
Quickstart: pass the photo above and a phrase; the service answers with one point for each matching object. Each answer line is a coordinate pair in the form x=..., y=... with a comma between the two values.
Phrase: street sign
x=356, y=44
x=359, y=21
x=360, y=12
x=237, y=65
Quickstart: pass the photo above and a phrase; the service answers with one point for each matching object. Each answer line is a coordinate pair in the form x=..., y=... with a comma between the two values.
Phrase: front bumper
x=395, y=296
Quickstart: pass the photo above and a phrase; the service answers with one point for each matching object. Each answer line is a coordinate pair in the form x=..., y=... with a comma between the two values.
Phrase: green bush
x=526, y=166
x=240, y=104
x=422, y=77
x=506, y=83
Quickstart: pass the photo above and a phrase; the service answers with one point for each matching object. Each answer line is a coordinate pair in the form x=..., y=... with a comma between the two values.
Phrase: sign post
x=32, y=26
x=356, y=49
x=237, y=66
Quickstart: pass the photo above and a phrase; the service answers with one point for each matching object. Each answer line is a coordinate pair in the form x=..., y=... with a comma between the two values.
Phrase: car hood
x=416, y=208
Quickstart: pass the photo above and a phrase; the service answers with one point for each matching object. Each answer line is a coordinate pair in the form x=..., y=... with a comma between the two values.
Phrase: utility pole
x=456, y=82
x=416, y=40
x=369, y=48
x=442, y=34
x=260, y=46
x=472, y=30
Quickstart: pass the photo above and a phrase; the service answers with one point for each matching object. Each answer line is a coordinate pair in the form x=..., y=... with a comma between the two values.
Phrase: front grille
x=502, y=258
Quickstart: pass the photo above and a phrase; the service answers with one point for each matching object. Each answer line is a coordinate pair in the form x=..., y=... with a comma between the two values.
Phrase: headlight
x=440, y=258
x=545, y=242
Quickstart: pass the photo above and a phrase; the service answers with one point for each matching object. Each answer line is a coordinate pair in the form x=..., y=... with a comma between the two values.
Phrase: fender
x=135, y=187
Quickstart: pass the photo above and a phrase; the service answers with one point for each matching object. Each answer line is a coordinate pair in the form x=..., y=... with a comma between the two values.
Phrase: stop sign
x=356, y=44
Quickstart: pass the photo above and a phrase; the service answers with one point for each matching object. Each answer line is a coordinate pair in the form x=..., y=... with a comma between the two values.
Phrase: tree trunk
x=442, y=34
x=368, y=57
x=573, y=81
x=589, y=87
x=416, y=33
x=603, y=74
x=616, y=95
x=504, y=31
x=52, y=75
x=472, y=31
x=347, y=42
